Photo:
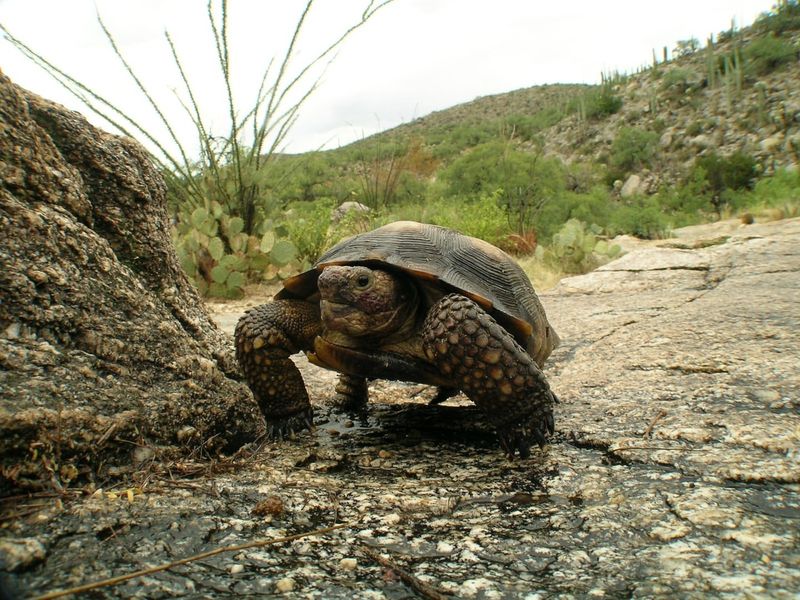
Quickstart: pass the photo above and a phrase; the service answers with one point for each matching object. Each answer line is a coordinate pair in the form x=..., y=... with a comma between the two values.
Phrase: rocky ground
x=675, y=470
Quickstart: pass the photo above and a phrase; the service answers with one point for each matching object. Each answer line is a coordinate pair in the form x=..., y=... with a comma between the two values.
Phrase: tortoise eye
x=363, y=281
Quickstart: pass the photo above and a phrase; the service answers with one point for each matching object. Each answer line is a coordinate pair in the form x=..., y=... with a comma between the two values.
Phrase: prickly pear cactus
x=220, y=258
x=577, y=249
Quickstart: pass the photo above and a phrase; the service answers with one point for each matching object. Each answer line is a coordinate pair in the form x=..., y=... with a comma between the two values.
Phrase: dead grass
x=541, y=275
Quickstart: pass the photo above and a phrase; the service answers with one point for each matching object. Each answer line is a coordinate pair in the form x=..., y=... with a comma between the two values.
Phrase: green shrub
x=526, y=181
x=307, y=225
x=310, y=227
x=677, y=81
x=781, y=191
x=476, y=172
x=411, y=188
x=449, y=141
x=305, y=177
x=781, y=188
x=642, y=217
x=784, y=16
x=592, y=207
x=581, y=177
x=526, y=127
x=484, y=218
x=632, y=149
x=687, y=202
x=734, y=172
x=695, y=128
x=604, y=104
x=765, y=54
x=480, y=217
x=596, y=103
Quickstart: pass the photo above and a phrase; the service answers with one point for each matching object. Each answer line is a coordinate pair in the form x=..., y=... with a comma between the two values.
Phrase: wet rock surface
x=674, y=471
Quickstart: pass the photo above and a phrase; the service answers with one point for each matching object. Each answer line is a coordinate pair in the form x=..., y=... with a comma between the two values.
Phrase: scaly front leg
x=492, y=369
x=265, y=338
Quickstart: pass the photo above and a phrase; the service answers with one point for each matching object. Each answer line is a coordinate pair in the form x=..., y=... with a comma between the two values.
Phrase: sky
x=412, y=58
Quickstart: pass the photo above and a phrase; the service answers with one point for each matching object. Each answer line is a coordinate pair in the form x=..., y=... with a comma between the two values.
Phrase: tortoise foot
x=285, y=427
x=351, y=393
x=518, y=439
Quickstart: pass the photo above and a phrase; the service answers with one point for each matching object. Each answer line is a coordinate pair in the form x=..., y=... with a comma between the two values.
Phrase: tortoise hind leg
x=351, y=393
x=492, y=369
x=265, y=338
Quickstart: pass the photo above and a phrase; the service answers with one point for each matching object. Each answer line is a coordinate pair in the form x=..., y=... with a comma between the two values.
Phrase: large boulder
x=107, y=354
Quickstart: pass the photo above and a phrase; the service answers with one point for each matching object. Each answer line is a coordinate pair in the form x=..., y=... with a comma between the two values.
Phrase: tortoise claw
x=519, y=439
x=286, y=427
x=524, y=449
x=442, y=394
x=539, y=438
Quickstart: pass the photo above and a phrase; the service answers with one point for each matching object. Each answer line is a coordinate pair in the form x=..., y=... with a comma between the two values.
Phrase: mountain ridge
x=724, y=97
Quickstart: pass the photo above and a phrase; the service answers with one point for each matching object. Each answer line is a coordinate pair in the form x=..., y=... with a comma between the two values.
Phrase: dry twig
x=664, y=448
x=661, y=414
x=419, y=586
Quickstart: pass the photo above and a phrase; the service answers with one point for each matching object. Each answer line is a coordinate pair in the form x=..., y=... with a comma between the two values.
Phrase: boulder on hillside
x=631, y=187
x=350, y=207
x=107, y=354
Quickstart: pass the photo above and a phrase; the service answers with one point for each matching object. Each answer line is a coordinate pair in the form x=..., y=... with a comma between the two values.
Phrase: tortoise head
x=363, y=302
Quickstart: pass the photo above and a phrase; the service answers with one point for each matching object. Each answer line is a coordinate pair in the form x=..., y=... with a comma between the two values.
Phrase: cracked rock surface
x=674, y=471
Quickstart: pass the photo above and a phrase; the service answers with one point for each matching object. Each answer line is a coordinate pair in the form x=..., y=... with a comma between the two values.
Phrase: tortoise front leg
x=265, y=338
x=492, y=369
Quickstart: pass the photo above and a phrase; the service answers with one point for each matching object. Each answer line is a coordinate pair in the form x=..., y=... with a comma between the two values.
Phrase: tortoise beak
x=331, y=310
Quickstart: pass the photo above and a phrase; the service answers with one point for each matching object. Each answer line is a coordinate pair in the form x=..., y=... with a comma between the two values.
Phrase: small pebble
x=366, y=533
x=348, y=564
x=444, y=548
x=767, y=395
x=142, y=454
x=20, y=553
x=186, y=433
x=271, y=505
x=237, y=568
x=284, y=585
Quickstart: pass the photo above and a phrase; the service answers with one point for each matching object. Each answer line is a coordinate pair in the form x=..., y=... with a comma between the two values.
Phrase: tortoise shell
x=445, y=260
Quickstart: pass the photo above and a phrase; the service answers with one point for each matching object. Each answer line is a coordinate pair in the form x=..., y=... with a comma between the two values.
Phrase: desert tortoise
x=407, y=302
